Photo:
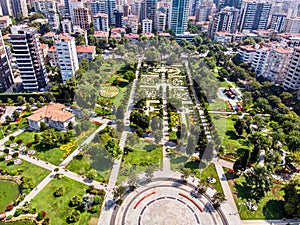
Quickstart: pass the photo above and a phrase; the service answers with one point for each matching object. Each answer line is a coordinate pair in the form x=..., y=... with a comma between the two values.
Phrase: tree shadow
x=179, y=159
x=149, y=147
x=232, y=135
x=243, y=191
x=192, y=165
x=274, y=209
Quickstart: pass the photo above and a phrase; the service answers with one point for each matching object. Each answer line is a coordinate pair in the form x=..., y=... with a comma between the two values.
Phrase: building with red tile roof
x=85, y=52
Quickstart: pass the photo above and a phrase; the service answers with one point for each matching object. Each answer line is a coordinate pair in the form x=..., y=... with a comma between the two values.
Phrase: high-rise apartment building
x=104, y=6
x=131, y=22
x=151, y=9
x=67, y=56
x=161, y=21
x=202, y=13
x=147, y=26
x=6, y=79
x=292, y=25
x=278, y=22
x=118, y=14
x=179, y=16
x=101, y=22
x=82, y=18
x=277, y=64
x=19, y=7
x=49, y=9
x=6, y=7
x=29, y=58
x=255, y=15
x=67, y=26
x=225, y=20
x=291, y=79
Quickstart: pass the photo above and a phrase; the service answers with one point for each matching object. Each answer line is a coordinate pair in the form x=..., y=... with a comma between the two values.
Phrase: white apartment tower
x=6, y=79
x=101, y=22
x=29, y=57
x=147, y=26
x=161, y=21
x=292, y=77
x=67, y=56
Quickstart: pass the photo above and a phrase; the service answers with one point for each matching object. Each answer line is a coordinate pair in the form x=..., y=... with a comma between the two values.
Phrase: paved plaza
x=164, y=203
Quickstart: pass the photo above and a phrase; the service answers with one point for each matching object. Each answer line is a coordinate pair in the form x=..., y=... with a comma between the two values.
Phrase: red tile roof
x=118, y=30
x=101, y=15
x=52, y=49
x=84, y=48
x=54, y=111
x=43, y=46
x=49, y=34
x=101, y=34
x=134, y=36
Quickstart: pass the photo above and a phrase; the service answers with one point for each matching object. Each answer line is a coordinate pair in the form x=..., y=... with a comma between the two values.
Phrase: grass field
x=58, y=210
x=24, y=222
x=218, y=105
x=9, y=191
x=269, y=207
x=226, y=131
x=143, y=156
x=29, y=170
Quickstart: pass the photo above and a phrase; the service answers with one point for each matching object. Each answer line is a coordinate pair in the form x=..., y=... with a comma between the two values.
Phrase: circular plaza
x=165, y=203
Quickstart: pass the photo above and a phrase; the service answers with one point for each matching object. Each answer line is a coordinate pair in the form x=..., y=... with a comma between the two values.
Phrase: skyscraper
x=67, y=56
x=82, y=18
x=147, y=26
x=6, y=7
x=118, y=13
x=19, y=7
x=179, y=16
x=104, y=6
x=6, y=79
x=30, y=62
x=292, y=77
x=226, y=20
x=101, y=22
x=278, y=22
x=151, y=8
x=255, y=15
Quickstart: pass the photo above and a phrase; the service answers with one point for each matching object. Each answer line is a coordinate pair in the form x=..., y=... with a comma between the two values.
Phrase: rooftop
x=135, y=36
x=101, y=15
x=85, y=48
x=52, y=49
x=54, y=111
x=101, y=34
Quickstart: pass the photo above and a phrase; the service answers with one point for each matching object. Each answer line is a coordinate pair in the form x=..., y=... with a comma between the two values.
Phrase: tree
x=112, y=147
x=258, y=181
x=140, y=119
x=8, y=119
x=217, y=199
x=149, y=173
x=31, y=100
x=36, y=138
x=73, y=217
x=75, y=201
x=43, y=126
x=10, y=101
x=119, y=191
x=133, y=181
x=92, y=174
x=129, y=75
x=41, y=99
x=201, y=188
x=191, y=145
x=59, y=192
x=16, y=114
x=292, y=197
x=239, y=126
x=21, y=100
x=80, y=40
x=185, y=173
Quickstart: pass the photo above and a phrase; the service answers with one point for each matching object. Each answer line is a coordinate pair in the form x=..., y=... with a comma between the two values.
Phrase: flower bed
x=109, y=92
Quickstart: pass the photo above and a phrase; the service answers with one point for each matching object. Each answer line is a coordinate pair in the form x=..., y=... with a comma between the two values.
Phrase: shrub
x=29, y=144
x=59, y=192
x=19, y=141
x=9, y=217
x=73, y=217
x=18, y=212
x=6, y=151
x=11, y=138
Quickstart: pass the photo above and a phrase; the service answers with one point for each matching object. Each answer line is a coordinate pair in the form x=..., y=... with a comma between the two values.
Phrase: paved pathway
x=5, y=139
x=105, y=215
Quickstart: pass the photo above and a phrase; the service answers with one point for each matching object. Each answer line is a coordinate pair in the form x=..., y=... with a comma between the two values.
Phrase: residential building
x=151, y=9
x=82, y=18
x=26, y=48
x=101, y=22
x=85, y=52
x=67, y=56
x=5, y=22
x=101, y=35
x=202, y=13
x=118, y=14
x=289, y=40
x=19, y=7
x=194, y=5
x=255, y=55
x=278, y=22
x=131, y=22
x=222, y=37
x=161, y=21
x=132, y=37
x=104, y=6
x=187, y=36
x=125, y=9
x=6, y=79
x=67, y=26
x=226, y=21
x=277, y=64
x=6, y=7
x=54, y=115
x=291, y=79
x=178, y=21
x=44, y=49
x=292, y=25
x=147, y=26
x=255, y=15
x=49, y=36
x=52, y=56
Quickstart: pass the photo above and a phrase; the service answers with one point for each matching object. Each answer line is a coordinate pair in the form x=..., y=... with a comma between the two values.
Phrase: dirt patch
x=274, y=192
x=94, y=221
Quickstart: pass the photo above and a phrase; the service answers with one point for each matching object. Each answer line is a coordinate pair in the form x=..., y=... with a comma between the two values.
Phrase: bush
x=9, y=217
x=29, y=144
x=19, y=141
x=73, y=217
x=11, y=138
x=6, y=151
x=18, y=212
x=59, y=192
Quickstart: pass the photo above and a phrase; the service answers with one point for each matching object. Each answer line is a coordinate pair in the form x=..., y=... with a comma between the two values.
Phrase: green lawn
x=218, y=105
x=26, y=137
x=269, y=207
x=13, y=126
x=29, y=170
x=9, y=191
x=143, y=156
x=57, y=207
x=102, y=162
x=226, y=131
